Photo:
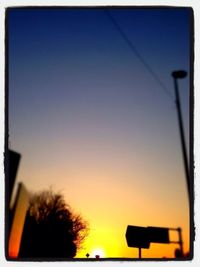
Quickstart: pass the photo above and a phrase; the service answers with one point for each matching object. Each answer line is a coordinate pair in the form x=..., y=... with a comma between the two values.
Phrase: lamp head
x=179, y=74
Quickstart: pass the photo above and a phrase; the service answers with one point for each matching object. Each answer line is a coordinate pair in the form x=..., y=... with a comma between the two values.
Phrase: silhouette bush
x=51, y=229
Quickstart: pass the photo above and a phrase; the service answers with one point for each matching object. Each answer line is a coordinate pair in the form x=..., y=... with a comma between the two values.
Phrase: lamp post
x=180, y=74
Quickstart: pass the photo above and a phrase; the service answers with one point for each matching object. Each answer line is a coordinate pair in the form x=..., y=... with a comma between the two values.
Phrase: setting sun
x=98, y=252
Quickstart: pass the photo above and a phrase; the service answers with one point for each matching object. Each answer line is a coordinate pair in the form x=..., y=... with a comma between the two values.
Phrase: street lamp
x=180, y=74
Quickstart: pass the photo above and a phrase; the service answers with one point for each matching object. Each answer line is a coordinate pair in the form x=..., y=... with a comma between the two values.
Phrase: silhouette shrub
x=51, y=229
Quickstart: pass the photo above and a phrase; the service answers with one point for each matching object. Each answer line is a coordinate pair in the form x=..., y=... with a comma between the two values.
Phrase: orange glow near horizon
x=113, y=248
x=108, y=214
x=109, y=235
x=108, y=224
x=109, y=208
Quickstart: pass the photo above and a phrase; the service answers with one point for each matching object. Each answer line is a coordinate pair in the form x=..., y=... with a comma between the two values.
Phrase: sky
x=91, y=121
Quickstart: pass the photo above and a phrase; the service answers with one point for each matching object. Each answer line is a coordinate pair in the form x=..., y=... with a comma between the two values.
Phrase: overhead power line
x=139, y=56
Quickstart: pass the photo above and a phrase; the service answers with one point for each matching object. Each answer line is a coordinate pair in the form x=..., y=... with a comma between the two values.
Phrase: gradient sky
x=91, y=121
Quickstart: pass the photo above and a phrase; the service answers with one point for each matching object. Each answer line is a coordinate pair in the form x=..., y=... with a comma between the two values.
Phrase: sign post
x=180, y=241
x=142, y=237
x=140, y=253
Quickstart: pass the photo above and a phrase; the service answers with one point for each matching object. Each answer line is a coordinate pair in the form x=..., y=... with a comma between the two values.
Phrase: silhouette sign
x=158, y=234
x=141, y=237
x=137, y=237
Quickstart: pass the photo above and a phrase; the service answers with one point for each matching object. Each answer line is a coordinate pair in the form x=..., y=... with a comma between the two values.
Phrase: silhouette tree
x=51, y=229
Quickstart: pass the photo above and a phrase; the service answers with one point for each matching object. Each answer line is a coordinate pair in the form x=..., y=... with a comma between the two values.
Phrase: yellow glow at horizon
x=114, y=245
x=99, y=193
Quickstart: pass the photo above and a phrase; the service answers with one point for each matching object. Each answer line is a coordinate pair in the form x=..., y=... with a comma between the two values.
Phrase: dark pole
x=140, y=253
x=179, y=75
x=180, y=240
